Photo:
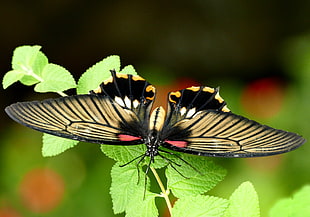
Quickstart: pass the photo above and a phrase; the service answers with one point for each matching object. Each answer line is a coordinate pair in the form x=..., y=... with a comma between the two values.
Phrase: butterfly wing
x=115, y=113
x=199, y=122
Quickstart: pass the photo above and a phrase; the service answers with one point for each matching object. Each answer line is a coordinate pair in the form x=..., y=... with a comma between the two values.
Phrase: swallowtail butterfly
x=118, y=112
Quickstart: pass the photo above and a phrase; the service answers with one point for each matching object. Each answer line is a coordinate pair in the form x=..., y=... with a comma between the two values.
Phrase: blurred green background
x=258, y=52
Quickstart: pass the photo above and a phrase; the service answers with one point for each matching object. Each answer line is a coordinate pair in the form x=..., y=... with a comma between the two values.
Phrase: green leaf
x=127, y=187
x=196, y=182
x=243, y=202
x=129, y=70
x=31, y=61
x=53, y=145
x=297, y=206
x=123, y=186
x=39, y=63
x=140, y=206
x=24, y=57
x=55, y=78
x=95, y=75
x=123, y=154
x=199, y=205
x=11, y=77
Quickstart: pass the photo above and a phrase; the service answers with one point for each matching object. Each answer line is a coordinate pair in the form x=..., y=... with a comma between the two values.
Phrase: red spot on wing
x=123, y=137
x=180, y=144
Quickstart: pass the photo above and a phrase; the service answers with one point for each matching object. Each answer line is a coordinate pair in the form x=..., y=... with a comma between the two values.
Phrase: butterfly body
x=118, y=112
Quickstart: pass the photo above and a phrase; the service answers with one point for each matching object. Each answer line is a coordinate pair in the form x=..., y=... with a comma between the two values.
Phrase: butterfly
x=118, y=112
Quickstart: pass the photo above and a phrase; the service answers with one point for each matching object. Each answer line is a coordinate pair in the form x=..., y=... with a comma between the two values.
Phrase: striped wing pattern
x=119, y=107
x=199, y=122
x=76, y=117
x=222, y=134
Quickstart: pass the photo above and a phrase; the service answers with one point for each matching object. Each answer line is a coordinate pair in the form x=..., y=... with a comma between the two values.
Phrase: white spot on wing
x=135, y=103
x=127, y=102
x=183, y=111
x=119, y=101
x=191, y=112
x=197, y=114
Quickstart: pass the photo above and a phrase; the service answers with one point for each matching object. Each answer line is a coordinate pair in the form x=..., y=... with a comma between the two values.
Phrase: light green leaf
x=53, y=145
x=55, y=78
x=129, y=70
x=199, y=206
x=125, y=185
x=200, y=178
x=24, y=57
x=140, y=205
x=297, y=206
x=39, y=63
x=95, y=75
x=28, y=80
x=31, y=61
x=243, y=202
x=11, y=77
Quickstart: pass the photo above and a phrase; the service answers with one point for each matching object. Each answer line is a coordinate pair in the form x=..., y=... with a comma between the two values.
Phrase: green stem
x=31, y=73
x=164, y=192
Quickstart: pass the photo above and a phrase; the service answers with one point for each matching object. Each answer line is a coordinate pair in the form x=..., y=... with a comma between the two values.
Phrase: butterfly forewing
x=211, y=130
x=115, y=113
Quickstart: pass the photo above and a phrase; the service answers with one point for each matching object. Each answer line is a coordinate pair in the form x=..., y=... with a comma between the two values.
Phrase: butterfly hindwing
x=184, y=104
x=115, y=113
x=129, y=91
x=209, y=128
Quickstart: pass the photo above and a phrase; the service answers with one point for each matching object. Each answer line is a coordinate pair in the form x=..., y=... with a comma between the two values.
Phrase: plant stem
x=164, y=192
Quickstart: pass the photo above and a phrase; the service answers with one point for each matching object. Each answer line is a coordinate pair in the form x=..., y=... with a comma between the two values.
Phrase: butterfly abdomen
x=157, y=119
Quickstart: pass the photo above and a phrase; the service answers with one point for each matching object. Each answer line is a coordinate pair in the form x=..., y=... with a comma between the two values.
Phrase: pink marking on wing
x=124, y=137
x=180, y=144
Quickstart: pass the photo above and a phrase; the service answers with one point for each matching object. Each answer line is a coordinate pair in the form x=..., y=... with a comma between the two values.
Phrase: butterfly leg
x=181, y=160
x=142, y=156
x=146, y=172
x=141, y=159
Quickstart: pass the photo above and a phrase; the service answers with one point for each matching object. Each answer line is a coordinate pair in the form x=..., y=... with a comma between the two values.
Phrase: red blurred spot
x=8, y=212
x=183, y=83
x=41, y=190
x=263, y=98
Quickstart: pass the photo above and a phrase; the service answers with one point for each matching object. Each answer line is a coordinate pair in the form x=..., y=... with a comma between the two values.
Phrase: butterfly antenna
x=181, y=160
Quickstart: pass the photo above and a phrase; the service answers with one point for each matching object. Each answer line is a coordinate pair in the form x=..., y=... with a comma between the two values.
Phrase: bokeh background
x=258, y=52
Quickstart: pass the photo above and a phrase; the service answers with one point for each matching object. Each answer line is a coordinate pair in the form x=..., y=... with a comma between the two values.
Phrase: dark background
x=257, y=51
